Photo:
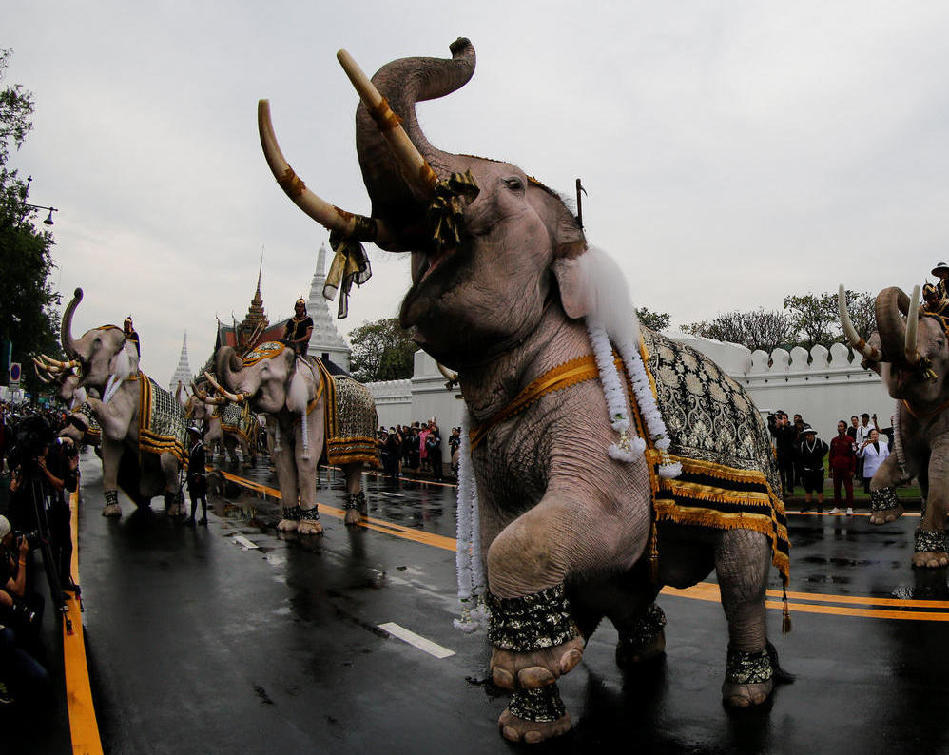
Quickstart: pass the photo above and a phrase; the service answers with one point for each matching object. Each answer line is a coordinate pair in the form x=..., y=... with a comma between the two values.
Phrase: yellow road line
x=706, y=591
x=370, y=523
x=83, y=727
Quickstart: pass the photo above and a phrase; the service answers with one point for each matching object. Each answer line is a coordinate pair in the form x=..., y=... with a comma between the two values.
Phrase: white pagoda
x=326, y=339
x=183, y=370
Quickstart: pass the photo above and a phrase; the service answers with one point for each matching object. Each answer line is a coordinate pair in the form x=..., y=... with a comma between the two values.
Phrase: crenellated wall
x=822, y=385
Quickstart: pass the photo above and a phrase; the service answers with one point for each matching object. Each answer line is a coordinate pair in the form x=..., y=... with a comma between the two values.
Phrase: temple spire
x=183, y=370
x=326, y=338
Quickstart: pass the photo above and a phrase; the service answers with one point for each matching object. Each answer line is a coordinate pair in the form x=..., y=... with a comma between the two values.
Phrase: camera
x=33, y=536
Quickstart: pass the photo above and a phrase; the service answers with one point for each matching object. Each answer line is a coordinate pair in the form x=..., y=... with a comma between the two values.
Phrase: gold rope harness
x=570, y=373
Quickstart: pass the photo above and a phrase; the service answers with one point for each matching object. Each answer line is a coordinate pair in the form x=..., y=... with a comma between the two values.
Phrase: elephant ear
x=573, y=284
x=298, y=394
x=568, y=248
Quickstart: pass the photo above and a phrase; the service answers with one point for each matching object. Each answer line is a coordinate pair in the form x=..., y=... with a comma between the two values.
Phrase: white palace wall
x=822, y=385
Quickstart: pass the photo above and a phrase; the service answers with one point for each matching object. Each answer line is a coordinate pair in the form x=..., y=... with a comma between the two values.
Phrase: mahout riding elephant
x=575, y=524
x=309, y=412
x=141, y=424
x=912, y=357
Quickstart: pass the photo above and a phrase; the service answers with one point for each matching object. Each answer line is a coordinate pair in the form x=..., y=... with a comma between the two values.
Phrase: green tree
x=28, y=306
x=758, y=329
x=816, y=318
x=382, y=351
x=657, y=321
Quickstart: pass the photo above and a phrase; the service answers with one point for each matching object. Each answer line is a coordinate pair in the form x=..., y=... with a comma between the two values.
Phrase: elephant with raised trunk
x=910, y=353
x=576, y=525
x=309, y=412
x=141, y=425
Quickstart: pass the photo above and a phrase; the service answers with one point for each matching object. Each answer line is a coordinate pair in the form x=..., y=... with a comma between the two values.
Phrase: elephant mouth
x=424, y=264
x=433, y=275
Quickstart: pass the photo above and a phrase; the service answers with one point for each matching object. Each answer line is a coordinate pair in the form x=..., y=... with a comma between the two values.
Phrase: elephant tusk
x=911, y=343
x=63, y=365
x=850, y=332
x=237, y=399
x=451, y=377
x=36, y=368
x=330, y=216
x=414, y=167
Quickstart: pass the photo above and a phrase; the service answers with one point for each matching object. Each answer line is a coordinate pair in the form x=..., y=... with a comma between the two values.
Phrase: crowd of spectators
x=40, y=469
x=417, y=448
x=857, y=450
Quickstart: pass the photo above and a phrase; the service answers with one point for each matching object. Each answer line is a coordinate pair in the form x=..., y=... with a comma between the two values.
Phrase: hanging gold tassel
x=653, y=551
x=786, y=625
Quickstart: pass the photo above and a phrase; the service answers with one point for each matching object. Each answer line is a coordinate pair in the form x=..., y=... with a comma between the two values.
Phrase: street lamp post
x=49, y=218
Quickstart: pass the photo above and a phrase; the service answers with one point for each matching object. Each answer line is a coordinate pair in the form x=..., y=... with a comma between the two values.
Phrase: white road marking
x=244, y=543
x=416, y=640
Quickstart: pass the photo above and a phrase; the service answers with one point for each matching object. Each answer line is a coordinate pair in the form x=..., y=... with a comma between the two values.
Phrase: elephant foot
x=884, y=506
x=535, y=668
x=310, y=528
x=355, y=503
x=112, y=507
x=746, y=695
x=749, y=678
x=288, y=525
x=534, y=716
x=930, y=559
x=930, y=549
x=645, y=641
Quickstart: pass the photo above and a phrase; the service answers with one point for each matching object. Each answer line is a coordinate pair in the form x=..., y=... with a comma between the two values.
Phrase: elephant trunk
x=228, y=366
x=890, y=307
x=65, y=333
x=403, y=83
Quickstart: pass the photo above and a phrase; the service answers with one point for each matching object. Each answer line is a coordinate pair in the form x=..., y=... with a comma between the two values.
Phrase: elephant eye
x=514, y=183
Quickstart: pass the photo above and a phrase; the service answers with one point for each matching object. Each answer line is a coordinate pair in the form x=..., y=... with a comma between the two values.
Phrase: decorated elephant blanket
x=238, y=420
x=350, y=420
x=93, y=432
x=162, y=427
x=729, y=476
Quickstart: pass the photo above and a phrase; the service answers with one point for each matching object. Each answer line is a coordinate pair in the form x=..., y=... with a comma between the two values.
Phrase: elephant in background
x=910, y=353
x=137, y=418
x=503, y=286
x=233, y=426
x=299, y=399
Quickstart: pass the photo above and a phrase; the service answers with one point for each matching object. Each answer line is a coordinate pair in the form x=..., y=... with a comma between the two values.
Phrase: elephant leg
x=884, y=505
x=355, y=504
x=742, y=560
x=930, y=550
x=174, y=500
x=112, y=451
x=289, y=491
x=307, y=460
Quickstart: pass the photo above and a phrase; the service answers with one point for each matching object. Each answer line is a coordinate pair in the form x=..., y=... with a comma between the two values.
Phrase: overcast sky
x=733, y=152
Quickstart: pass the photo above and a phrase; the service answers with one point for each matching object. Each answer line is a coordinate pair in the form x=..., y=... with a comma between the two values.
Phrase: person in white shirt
x=873, y=451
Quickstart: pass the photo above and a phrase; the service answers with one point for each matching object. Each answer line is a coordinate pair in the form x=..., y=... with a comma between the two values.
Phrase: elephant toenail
x=503, y=678
x=510, y=733
x=535, y=676
x=569, y=660
x=533, y=737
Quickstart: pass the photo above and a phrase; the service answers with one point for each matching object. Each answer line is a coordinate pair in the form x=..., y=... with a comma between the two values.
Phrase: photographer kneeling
x=18, y=621
x=38, y=494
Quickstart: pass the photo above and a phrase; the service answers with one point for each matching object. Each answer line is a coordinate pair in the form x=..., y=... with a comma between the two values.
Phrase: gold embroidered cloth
x=729, y=476
x=350, y=420
x=162, y=427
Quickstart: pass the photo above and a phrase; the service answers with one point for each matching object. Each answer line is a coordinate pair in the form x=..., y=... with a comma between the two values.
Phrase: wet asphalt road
x=198, y=644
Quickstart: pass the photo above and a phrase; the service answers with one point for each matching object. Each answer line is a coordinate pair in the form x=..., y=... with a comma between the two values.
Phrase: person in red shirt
x=843, y=464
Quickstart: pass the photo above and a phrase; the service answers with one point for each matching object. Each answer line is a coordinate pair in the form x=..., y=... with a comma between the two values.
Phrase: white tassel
x=629, y=447
x=469, y=571
x=111, y=388
x=276, y=437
